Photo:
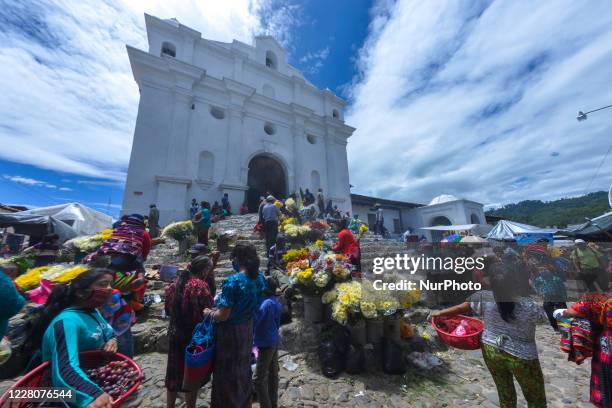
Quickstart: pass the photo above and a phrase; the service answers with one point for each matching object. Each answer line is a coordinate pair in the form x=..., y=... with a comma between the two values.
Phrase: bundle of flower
x=335, y=264
x=31, y=278
x=22, y=261
x=89, y=243
x=345, y=300
x=362, y=230
x=63, y=272
x=307, y=279
x=380, y=303
x=296, y=232
x=317, y=225
x=285, y=222
x=295, y=255
x=179, y=231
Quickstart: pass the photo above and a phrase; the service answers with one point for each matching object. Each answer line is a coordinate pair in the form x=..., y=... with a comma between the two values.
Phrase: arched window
x=168, y=49
x=474, y=219
x=271, y=61
x=269, y=91
x=269, y=128
x=315, y=180
x=335, y=114
x=206, y=166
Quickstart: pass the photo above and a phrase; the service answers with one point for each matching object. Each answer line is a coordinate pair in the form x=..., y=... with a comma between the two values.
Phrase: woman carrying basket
x=240, y=297
x=508, y=340
x=72, y=324
x=186, y=299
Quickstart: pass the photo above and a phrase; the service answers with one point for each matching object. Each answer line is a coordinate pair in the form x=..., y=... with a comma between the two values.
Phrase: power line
x=598, y=168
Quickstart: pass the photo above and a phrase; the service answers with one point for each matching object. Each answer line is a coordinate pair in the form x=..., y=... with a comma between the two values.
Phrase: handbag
x=200, y=356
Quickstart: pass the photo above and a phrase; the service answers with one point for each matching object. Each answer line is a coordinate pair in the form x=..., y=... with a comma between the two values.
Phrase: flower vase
x=359, y=333
x=313, y=308
x=374, y=329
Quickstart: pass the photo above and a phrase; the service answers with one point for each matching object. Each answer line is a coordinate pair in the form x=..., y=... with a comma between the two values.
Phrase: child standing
x=266, y=339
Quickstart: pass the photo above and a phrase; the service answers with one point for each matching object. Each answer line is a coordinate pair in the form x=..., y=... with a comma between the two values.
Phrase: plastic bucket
x=359, y=334
x=375, y=330
x=391, y=329
x=313, y=309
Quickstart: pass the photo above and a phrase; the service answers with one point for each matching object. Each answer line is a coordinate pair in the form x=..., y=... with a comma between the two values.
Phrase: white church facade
x=232, y=118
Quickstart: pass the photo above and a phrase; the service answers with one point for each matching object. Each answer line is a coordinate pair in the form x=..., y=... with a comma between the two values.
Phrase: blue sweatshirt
x=267, y=322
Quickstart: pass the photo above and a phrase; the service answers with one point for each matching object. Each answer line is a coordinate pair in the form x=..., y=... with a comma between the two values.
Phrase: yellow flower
x=368, y=309
x=279, y=204
x=329, y=296
x=319, y=243
x=339, y=313
x=71, y=273
x=345, y=299
x=31, y=278
x=363, y=229
x=305, y=275
x=290, y=202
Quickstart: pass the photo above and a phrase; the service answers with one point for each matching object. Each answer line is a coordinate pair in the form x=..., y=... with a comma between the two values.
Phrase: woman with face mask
x=73, y=325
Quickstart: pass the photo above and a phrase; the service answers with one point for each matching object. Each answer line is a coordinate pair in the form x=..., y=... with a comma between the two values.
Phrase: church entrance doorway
x=266, y=174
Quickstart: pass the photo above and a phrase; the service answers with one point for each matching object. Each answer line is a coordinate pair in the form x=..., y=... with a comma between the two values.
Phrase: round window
x=312, y=139
x=269, y=128
x=217, y=112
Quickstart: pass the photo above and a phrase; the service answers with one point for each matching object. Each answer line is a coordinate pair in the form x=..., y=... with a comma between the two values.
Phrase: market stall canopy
x=83, y=220
x=474, y=229
x=599, y=228
x=37, y=225
x=472, y=239
x=506, y=230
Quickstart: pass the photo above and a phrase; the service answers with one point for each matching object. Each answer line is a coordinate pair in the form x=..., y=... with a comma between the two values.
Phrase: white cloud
x=480, y=100
x=313, y=61
x=33, y=182
x=69, y=100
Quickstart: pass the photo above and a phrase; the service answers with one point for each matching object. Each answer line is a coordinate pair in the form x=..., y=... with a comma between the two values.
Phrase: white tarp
x=509, y=230
x=475, y=229
x=83, y=220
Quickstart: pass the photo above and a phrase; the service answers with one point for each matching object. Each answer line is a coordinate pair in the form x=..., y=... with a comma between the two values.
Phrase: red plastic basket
x=41, y=376
x=469, y=342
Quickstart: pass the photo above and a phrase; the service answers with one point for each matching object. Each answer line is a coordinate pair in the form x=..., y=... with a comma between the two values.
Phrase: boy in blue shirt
x=266, y=339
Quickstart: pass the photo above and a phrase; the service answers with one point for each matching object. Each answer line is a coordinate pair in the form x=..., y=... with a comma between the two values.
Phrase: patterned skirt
x=232, y=377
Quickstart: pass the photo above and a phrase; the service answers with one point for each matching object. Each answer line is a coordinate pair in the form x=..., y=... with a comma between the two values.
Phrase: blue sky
x=476, y=99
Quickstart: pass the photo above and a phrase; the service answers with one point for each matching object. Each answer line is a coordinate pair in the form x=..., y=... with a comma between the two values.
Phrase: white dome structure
x=443, y=198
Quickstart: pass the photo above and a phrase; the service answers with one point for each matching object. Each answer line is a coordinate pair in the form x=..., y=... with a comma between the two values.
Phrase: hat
x=270, y=199
x=198, y=248
x=580, y=241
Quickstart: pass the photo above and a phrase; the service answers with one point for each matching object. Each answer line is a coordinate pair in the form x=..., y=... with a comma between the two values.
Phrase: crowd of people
x=95, y=311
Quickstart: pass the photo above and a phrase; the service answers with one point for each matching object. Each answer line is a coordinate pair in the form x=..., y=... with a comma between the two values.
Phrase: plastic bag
x=355, y=360
x=393, y=358
x=331, y=358
x=462, y=329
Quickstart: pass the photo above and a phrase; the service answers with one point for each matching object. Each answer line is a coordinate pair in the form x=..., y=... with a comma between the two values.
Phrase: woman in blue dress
x=72, y=324
x=234, y=310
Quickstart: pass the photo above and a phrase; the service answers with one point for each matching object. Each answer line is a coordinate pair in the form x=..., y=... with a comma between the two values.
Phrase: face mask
x=98, y=297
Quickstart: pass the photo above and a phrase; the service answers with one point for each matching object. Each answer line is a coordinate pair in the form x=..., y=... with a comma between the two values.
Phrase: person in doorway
x=587, y=263
x=235, y=307
x=203, y=220
x=225, y=204
x=508, y=340
x=186, y=299
x=348, y=244
x=193, y=210
x=271, y=214
x=266, y=338
x=71, y=324
x=380, y=220
x=153, y=221
x=321, y=203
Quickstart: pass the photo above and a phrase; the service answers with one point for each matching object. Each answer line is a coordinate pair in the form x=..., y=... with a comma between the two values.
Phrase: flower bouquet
x=345, y=299
x=179, y=231
x=89, y=243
